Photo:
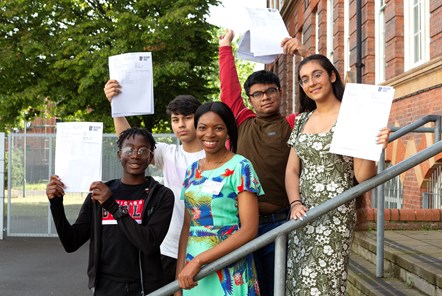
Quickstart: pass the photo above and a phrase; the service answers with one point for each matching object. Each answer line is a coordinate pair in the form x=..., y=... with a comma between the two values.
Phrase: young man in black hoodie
x=125, y=219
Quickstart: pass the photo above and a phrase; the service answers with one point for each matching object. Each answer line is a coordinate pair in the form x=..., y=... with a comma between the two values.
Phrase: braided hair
x=132, y=132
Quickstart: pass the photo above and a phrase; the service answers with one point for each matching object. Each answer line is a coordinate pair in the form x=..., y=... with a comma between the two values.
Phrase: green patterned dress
x=318, y=253
x=214, y=217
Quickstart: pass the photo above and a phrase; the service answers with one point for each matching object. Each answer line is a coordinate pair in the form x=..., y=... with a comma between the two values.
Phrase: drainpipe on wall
x=359, y=64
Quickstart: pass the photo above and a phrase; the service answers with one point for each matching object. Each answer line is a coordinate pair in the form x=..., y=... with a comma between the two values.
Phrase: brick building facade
x=401, y=46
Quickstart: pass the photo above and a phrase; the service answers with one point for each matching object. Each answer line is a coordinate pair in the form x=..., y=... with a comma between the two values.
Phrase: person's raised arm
x=230, y=85
x=73, y=236
x=111, y=89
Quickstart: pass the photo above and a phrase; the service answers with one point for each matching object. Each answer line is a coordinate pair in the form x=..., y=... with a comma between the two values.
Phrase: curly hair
x=132, y=132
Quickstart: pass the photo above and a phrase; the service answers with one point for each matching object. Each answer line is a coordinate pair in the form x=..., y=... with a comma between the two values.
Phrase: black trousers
x=169, y=269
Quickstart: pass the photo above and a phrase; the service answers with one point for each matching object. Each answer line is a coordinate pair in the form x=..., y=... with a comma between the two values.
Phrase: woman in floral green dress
x=318, y=253
x=220, y=194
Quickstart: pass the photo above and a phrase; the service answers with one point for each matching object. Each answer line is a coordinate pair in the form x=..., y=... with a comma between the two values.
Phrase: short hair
x=183, y=105
x=132, y=132
x=226, y=115
x=307, y=104
x=261, y=77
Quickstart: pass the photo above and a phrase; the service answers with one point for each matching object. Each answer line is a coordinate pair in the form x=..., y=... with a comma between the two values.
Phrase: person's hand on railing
x=298, y=210
x=190, y=270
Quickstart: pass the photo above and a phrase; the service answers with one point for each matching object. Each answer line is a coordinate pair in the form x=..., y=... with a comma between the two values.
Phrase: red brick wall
x=411, y=103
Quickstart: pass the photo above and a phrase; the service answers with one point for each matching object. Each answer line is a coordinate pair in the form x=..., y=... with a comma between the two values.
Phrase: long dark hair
x=307, y=104
x=226, y=115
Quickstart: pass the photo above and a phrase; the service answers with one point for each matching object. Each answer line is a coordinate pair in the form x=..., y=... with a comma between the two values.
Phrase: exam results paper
x=78, y=154
x=364, y=112
x=262, y=42
x=134, y=73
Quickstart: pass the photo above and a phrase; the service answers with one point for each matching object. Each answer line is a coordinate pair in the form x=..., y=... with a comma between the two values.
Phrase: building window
x=346, y=38
x=316, y=31
x=275, y=4
x=432, y=198
x=330, y=26
x=380, y=41
x=416, y=33
x=393, y=193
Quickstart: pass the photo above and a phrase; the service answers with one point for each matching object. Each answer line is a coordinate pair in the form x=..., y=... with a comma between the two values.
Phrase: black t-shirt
x=119, y=257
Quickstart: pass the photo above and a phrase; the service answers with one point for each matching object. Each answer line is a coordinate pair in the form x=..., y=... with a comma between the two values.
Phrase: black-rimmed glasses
x=258, y=95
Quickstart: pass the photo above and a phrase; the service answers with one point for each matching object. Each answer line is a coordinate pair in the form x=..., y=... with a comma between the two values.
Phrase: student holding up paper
x=173, y=160
x=262, y=138
x=125, y=220
x=318, y=253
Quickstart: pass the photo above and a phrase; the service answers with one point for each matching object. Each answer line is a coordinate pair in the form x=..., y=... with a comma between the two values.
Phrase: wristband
x=121, y=212
x=295, y=202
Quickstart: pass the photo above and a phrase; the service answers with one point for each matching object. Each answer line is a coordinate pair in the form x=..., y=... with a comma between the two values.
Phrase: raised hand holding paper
x=263, y=41
x=134, y=73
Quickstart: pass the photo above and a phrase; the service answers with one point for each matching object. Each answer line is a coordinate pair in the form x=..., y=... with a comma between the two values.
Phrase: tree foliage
x=54, y=55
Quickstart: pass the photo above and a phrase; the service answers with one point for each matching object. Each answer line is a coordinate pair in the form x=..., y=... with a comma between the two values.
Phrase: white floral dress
x=318, y=253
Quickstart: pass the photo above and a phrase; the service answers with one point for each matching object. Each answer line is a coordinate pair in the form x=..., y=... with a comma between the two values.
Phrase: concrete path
x=41, y=267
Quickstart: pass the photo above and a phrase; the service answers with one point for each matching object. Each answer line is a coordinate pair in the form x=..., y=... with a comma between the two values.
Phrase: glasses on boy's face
x=142, y=152
x=258, y=95
x=315, y=78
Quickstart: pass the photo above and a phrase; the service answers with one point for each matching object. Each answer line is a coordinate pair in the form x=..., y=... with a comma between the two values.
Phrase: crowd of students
x=237, y=174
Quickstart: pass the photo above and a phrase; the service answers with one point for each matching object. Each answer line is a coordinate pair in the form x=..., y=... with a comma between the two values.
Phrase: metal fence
x=30, y=163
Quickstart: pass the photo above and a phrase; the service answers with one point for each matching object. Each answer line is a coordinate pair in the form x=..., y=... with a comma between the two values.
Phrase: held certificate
x=364, y=112
x=134, y=73
x=78, y=154
x=262, y=43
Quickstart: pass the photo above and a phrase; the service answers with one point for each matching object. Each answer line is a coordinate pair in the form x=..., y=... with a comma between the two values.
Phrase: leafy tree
x=55, y=53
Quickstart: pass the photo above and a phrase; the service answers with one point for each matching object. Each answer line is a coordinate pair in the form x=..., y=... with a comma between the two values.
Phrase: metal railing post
x=380, y=221
x=2, y=184
x=437, y=129
x=280, y=264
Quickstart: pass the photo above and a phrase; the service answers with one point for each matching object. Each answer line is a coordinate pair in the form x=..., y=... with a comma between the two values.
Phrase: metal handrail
x=279, y=234
x=412, y=127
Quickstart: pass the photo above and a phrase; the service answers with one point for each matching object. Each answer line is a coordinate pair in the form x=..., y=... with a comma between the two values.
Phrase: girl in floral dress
x=220, y=195
x=318, y=253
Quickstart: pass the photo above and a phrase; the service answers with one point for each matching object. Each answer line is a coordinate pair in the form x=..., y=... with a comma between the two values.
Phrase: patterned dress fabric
x=318, y=253
x=214, y=217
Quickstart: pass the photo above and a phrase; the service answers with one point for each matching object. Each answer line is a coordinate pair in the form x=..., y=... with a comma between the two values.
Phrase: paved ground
x=41, y=267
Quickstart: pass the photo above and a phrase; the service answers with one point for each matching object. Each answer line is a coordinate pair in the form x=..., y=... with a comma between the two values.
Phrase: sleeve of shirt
x=73, y=236
x=158, y=155
x=230, y=86
x=246, y=178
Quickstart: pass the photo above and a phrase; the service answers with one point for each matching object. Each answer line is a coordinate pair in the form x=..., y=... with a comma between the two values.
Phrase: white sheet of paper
x=134, y=73
x=364, y=111
x=266, y=33
x=244, y=52
x=78, y=154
